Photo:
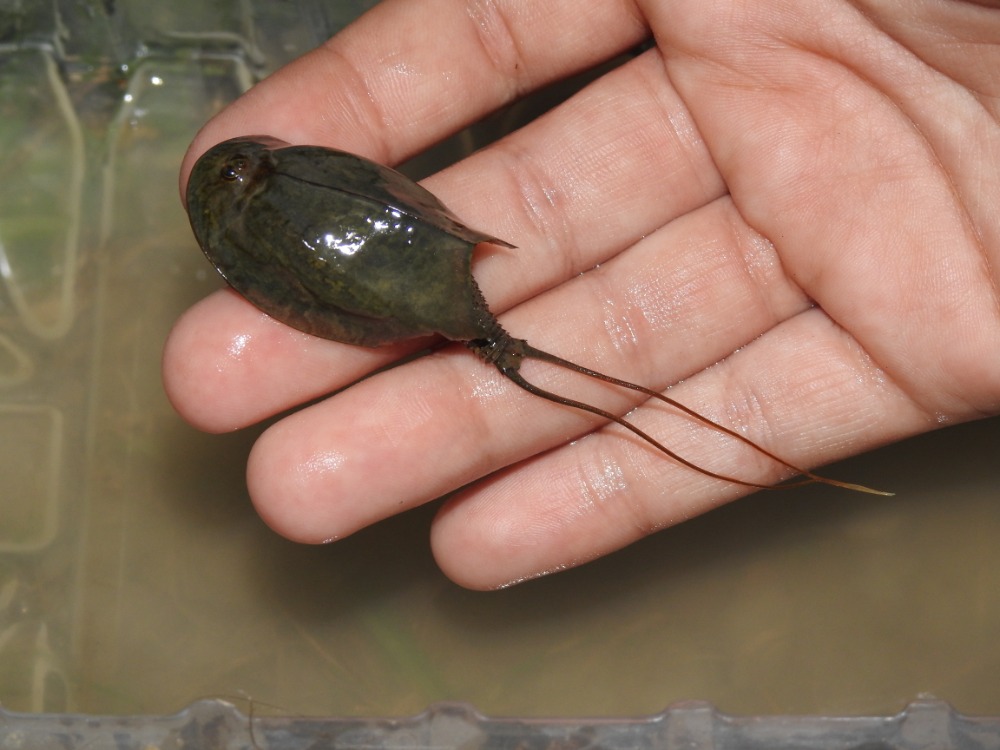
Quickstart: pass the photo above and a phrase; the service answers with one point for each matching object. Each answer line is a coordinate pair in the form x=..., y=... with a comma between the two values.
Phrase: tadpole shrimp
x=346, y=249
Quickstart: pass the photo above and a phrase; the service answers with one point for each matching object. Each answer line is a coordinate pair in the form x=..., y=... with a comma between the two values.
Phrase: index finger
x=407, y=74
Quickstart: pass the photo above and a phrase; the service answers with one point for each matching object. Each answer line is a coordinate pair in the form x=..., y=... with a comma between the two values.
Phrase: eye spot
x=234, y=169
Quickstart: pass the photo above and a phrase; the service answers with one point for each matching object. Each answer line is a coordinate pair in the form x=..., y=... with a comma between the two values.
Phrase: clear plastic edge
x=691, y=725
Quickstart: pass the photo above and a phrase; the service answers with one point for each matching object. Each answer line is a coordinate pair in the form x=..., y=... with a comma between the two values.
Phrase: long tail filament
x=519, y=348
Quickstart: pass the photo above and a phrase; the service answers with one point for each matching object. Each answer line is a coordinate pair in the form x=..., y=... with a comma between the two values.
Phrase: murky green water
x=135, y=576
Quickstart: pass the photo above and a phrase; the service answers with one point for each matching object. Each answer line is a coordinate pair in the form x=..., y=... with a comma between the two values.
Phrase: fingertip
x=184, y=367
x=306, y=490
x=281, y=488
x=481, y=546
x=209, y=358
x=456, y=551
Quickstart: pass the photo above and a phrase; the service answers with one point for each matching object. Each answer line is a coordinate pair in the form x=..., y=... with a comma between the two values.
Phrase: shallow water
x=135, y=576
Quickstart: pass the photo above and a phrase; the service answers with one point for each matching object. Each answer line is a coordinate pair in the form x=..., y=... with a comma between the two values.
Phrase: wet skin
x=346, y=249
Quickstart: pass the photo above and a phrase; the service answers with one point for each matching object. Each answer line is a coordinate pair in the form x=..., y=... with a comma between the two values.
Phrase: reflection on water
x=135, y=577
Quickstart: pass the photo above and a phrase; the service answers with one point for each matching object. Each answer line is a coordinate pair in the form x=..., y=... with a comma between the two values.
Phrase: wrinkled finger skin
x=792, y=209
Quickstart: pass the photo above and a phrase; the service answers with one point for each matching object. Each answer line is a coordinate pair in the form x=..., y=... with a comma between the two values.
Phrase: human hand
x=794, y=212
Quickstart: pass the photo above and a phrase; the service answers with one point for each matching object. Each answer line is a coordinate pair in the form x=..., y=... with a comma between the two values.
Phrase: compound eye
x=234, y=168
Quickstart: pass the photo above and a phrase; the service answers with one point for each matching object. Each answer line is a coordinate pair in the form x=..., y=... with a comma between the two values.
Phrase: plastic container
x=136, y=578
x=923, y=725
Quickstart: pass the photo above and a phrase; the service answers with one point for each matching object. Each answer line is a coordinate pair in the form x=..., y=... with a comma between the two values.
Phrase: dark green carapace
x=343, y=248
x=335, y=245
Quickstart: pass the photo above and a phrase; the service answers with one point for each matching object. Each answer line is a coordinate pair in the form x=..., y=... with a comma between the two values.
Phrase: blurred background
x=136, y=577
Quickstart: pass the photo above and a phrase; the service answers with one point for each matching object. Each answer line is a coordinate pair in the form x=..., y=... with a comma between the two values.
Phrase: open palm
x=791, y=207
